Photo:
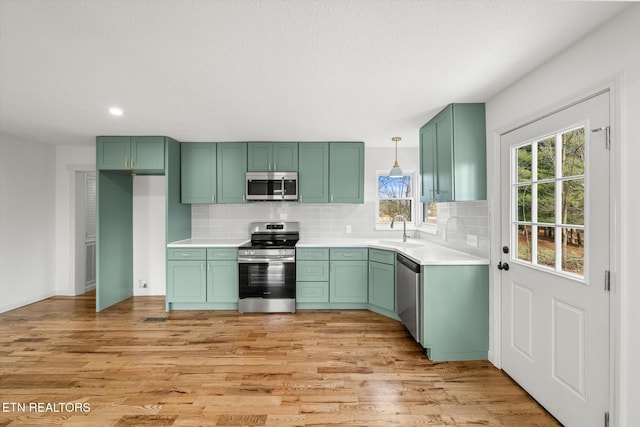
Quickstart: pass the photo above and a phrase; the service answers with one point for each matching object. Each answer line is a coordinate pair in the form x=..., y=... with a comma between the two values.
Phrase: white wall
x=27, y=202
x=607, y=55
x=149, y=241
x=68, y=161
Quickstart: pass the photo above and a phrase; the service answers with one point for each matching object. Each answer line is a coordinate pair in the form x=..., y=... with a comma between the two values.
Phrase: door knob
x=503, y=266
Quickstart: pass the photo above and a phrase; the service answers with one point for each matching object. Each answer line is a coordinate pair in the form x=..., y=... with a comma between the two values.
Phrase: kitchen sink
x=399, y=243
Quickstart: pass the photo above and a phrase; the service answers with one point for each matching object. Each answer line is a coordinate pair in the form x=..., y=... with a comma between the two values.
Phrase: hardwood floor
x=205, y=368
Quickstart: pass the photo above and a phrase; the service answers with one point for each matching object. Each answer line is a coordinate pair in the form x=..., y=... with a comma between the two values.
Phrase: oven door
x=267, y=279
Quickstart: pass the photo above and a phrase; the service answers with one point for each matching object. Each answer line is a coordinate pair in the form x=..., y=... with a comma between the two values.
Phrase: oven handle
x=283, y=260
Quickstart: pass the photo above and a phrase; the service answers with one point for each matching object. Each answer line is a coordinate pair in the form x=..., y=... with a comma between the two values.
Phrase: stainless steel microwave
x=272, y=186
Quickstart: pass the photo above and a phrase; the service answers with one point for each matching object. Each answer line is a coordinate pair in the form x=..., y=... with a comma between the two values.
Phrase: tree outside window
x=395, y=197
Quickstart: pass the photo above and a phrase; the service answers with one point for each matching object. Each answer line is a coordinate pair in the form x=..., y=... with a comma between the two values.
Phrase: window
x=548, y=202
x=395, y=197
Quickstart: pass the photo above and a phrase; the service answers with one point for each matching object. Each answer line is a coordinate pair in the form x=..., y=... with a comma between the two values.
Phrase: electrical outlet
x=472, y=240
x=347, y=229
x=142, y=283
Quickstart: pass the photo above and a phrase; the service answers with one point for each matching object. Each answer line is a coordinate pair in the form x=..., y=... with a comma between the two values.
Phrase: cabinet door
x=346, y=172
x=348, y=281
x=427, y=162
x=313, y=172
x=222, y=281
x=198, y=173
x=382, y=289
x=285, y=156
x=444, y=156
x=113, y=152
x=312, y=292
x=231, y=172
x=259, y=157
x=147, y=153
x=186, y=281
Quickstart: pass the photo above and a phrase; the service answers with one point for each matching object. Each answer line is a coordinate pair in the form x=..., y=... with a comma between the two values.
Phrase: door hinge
x=607, y=133
x=607, y=280
x=606, y=419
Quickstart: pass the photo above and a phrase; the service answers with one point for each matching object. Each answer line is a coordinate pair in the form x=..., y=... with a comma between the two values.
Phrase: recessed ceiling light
x=115, y=111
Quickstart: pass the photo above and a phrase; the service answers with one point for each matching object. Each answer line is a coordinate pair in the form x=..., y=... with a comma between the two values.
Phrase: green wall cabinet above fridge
x=140, y=154
x=453, y=155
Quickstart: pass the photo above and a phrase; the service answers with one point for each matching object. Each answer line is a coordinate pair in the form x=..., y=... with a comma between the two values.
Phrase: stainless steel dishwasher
x=408, y=296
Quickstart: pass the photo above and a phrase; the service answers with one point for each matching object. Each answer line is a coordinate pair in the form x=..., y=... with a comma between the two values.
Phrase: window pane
x=547, y=158
x=524, y=203
x=573, y=153
x=524, y=163
x=547, y=202
x=573, y=202
x=389, y=188
x=391, y=208
x=546, y=246
x=524, y=242
x=573, y=251
x=430, y=213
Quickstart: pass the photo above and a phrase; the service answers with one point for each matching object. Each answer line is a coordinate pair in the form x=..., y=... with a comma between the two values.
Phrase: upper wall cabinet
x=313, y=172
x=198, y=172
x=231, y=172
x=140, y=154
x=453, y=155
x=346, y=172
x=272, y=157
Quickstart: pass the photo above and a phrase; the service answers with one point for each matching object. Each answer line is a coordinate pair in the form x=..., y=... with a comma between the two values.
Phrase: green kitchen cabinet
x=455, y=312
x=186, y=281
x=348, y=269
x=272, y=157
x=198, y=172
x=222, y=281
x=453, y=155
x=382, y=280
x=313, y=172
x=140, y=154
x=346, y=172
x=231, y=171
x=199, y=278
x=312, y=276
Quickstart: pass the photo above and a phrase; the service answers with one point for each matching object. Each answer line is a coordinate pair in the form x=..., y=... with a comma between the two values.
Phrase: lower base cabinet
x=455, y=312
x=199, y=278
x=382, y=282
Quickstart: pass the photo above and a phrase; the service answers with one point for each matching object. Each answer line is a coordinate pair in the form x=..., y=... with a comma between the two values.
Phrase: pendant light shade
x=396, y=170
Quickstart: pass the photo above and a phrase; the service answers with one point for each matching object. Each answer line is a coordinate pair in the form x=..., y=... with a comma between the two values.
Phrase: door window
x=548, y=198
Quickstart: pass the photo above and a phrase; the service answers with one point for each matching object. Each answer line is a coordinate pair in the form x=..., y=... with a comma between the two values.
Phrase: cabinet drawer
x=186, y=253
x=214, y=254
x=312, y=271
x=312, y=253
x=348, y=254
x=312, y=292
x=380, y=255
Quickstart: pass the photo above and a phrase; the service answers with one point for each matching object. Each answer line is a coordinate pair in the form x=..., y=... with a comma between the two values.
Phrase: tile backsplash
x=456, y=220
x=316, y=220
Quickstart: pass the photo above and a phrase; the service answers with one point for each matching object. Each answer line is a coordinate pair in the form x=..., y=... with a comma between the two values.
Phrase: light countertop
x=421, y=251
x=208, y=243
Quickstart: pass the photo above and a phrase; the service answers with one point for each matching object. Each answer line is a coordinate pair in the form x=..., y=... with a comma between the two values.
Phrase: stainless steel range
x=267, y=267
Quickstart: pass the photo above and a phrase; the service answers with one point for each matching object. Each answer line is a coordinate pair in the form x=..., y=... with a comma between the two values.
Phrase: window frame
x=411, y=225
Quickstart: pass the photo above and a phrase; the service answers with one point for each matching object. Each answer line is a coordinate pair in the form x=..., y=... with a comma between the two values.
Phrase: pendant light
x=396, y=171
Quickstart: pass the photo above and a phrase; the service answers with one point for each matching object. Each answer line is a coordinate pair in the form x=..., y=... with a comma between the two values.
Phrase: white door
x=555, y=260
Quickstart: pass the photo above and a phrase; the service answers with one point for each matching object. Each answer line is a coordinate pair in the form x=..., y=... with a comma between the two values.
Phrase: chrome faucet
x=404, y=228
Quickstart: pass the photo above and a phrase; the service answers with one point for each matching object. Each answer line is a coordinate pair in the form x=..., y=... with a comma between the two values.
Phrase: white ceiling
x=200, y=70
